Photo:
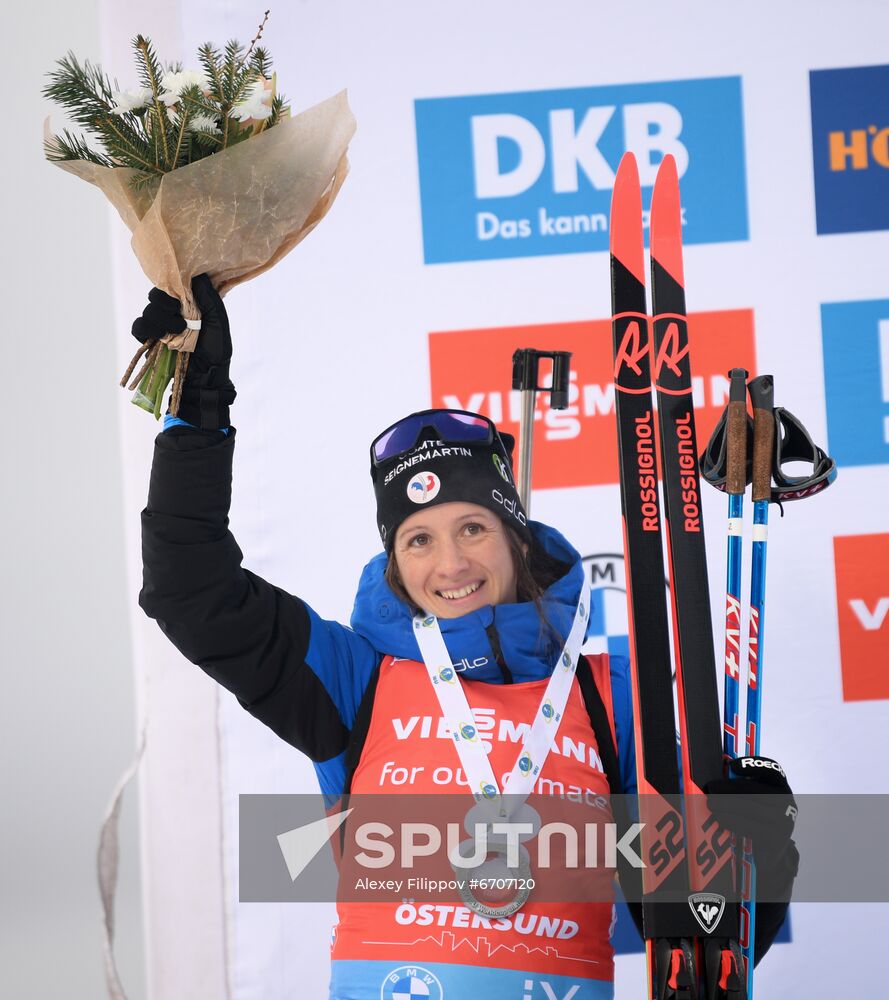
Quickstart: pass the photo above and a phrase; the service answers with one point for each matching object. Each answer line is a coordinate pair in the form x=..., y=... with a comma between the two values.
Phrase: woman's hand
x=207, y=392
x=755, y=800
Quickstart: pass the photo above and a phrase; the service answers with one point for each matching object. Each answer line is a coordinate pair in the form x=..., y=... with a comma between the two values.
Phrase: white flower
x=130, y=100
x=257, y=104
x=175, y=83
x=202, y=123
x=246, y=112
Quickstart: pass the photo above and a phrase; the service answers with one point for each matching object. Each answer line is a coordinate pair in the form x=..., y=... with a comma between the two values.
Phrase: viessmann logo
x=523, y=174
x=862, y=578
x=578, y=446
x=850, y=148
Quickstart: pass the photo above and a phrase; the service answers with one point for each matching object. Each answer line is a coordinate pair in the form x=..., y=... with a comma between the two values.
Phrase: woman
x=461, y=565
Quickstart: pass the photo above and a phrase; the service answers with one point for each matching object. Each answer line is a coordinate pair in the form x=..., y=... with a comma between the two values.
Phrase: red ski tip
x=626, y=218
x=666, y=220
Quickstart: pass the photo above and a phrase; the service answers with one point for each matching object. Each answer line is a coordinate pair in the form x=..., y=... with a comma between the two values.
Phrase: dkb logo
x=850, y=136
x=523, y=174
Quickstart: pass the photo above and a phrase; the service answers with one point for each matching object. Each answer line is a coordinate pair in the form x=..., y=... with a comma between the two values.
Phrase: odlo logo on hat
x=423, y=487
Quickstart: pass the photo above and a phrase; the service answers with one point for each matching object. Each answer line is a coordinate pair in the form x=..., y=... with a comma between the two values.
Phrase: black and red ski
x=689, y=921
x=710, y=848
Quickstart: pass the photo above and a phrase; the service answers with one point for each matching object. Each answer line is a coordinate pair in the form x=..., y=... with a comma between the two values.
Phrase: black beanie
x=436, y=472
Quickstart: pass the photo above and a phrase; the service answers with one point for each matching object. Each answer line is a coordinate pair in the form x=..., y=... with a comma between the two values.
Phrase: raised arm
x=300, y=675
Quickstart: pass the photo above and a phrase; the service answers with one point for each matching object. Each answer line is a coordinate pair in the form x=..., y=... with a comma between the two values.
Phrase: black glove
x=208, y=391
x=755, y=801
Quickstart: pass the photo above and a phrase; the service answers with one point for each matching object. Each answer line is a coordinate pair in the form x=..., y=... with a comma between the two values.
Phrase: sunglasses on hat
x=451, y=426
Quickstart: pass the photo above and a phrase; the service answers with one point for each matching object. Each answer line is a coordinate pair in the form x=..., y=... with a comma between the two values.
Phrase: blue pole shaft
x=754, y=703
x=731, y=735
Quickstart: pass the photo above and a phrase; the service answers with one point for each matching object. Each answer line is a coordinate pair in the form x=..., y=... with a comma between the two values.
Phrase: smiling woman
x=469, y=544
x=461, y=674
x=455, y=558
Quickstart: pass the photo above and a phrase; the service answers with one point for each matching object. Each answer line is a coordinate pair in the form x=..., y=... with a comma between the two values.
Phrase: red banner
x=471, y=370
x=862, y=574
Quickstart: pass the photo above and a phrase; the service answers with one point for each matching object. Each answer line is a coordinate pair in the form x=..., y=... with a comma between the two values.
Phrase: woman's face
x=455, y=557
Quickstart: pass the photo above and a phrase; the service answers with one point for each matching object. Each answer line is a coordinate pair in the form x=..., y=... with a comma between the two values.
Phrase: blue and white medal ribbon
x=498, y=807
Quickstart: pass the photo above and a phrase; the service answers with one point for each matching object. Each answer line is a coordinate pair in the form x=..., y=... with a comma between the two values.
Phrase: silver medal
x=494, y=873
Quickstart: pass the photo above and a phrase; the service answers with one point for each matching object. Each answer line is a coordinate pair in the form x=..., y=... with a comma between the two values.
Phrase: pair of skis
x=690, y=921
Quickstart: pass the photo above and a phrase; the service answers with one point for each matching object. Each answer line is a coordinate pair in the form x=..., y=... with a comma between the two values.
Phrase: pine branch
x=261, y=63
x=279, y=110
x=181, y=137
x=69, y=146
x=82, y=90
x=150, y=72
x=198, y=103
x=154, y=137
x=127, y=131
x=153, y=140
x=152, y=76
x=125, y=149
x=209, y=59
x=233, y=50
x=204, y=140
x=245, y=79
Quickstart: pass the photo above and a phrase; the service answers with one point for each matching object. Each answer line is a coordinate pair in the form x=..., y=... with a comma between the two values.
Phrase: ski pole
x=525, y=370
x=762, y=396
x=735, y=485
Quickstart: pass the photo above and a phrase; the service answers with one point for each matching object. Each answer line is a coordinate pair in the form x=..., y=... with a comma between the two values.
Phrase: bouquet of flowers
x=209, y=171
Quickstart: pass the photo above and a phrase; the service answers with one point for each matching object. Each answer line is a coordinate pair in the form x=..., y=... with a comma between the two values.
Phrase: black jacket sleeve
x=246, y=634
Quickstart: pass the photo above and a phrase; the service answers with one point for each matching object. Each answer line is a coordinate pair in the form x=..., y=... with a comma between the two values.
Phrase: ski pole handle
x=526, y=370
x=525, y=374
x=558, y=397
x=762, y=396
x=736, y=434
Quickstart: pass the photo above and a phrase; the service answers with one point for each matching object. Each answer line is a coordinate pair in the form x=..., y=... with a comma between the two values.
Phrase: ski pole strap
x=793, y=443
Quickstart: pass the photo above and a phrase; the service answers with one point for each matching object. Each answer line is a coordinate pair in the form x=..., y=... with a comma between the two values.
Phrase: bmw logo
x=411, y=982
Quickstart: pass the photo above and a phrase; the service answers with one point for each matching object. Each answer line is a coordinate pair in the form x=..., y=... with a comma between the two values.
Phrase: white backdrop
x=333, y=345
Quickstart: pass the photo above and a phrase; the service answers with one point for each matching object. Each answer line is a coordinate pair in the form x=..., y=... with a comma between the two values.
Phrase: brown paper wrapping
x=234, y=214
